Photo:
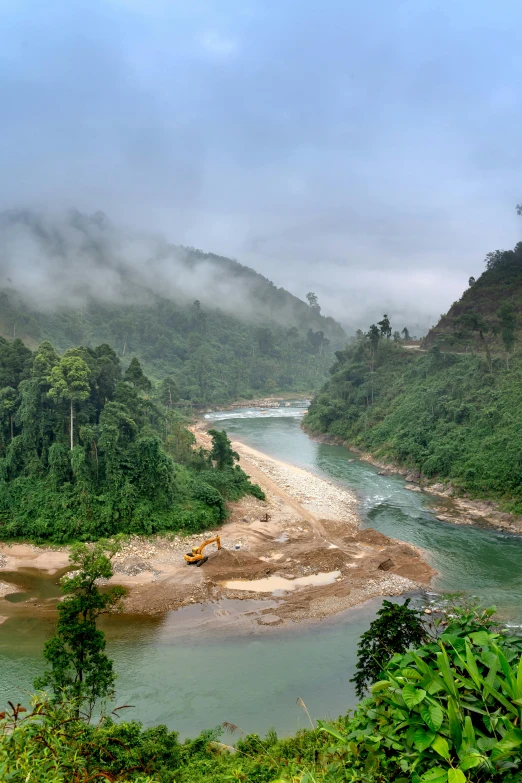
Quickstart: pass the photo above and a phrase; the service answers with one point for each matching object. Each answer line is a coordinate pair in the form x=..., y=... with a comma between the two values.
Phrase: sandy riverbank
x=311, y=534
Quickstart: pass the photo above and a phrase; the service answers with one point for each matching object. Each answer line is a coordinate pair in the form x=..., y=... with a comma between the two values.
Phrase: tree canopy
x=88, y=450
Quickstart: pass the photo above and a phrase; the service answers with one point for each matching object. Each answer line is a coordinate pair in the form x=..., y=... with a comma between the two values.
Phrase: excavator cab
x=196, y=557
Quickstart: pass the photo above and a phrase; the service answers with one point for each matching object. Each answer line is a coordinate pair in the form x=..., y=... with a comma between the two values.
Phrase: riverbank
x=301, y=551
x=452, y=508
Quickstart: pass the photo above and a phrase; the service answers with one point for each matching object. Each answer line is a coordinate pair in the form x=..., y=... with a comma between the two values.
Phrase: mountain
x=220, y=329
x=451, y=412
x=484, y=304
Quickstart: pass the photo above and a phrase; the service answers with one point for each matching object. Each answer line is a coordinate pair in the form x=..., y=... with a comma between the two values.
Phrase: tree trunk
x=72, y=426
x=97, y=465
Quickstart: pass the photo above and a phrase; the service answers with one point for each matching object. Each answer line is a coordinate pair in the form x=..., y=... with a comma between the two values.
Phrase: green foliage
x=81, y=673
x=134, y=374
x=385, y=327
x=269, y=342
x=86, y=454
x=451, y=417
x=222, y=452
x=447, y=712
x=396, y=628
x=484, y=304
x=49, y=744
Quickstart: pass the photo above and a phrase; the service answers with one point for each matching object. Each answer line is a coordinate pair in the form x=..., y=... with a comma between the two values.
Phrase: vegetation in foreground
x=445, y=706
x=88, y=450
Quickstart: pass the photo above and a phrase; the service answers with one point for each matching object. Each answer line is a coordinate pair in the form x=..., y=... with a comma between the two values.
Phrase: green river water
x=195, y=679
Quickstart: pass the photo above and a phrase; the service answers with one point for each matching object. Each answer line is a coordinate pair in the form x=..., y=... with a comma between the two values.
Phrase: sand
x=312, y=528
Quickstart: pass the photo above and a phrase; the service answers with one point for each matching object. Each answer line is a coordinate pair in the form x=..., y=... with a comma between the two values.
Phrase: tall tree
x=80, y=669
x=313, y=302
x=8, y=405
x=69, y=380
x=405, y=333
x=385, y=327
x=222, y=453
x=45, y=359
x=135, y=375
x=169, y=391
x=374, y=335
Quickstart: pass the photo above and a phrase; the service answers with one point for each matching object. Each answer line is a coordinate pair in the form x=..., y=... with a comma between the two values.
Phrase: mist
x=63, y=261
x=368, y=152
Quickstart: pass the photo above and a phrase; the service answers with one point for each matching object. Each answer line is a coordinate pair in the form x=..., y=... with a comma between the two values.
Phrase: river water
x=192, y=680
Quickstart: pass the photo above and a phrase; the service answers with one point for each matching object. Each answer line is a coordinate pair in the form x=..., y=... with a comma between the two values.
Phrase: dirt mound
x=228, y=564
x=371, y=536
x=324, y=559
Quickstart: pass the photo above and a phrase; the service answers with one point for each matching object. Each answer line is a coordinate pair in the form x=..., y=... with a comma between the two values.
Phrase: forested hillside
x=488, y=311
x=219, y=329
x=86, y=452
x=453, y=414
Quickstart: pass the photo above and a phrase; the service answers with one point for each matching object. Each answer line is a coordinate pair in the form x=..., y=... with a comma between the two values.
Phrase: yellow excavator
x=196, y=556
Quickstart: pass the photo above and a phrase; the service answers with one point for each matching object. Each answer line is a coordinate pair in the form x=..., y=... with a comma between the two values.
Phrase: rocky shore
x=453, y=507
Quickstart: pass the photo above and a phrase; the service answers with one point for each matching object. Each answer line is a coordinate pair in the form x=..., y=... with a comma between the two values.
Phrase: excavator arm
x=197, y=556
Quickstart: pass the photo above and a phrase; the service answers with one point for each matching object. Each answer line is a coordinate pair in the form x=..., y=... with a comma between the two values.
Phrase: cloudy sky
x=369, y=151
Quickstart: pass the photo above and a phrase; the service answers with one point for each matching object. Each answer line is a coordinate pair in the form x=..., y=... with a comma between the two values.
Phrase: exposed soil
x=312, y=527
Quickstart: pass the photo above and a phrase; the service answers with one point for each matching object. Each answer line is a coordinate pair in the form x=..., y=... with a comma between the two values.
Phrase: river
x=196, y=680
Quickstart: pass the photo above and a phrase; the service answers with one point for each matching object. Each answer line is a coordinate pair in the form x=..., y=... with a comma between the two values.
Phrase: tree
x=15, y=361
x=508, y=323
x=359, y=334
x=396, y=628
x=396, y=337
x=80, y=669
x=385, y=327
x=135, y=375
x=44, y=360
x=222, y=453
x=8, y=405
x=317, y=340
x=494, y=259
x=471, y=281
x=405, y=333
x=69, y=380
x=169, y=391
x=374, y=335
x=313, y=302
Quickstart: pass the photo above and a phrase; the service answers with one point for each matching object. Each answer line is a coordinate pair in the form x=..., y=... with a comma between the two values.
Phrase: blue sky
x=368, y=151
